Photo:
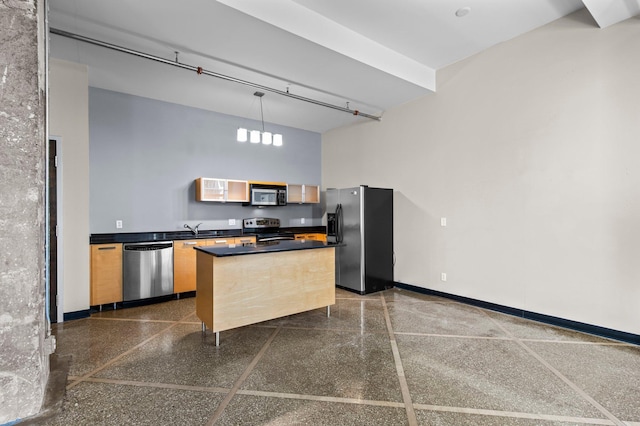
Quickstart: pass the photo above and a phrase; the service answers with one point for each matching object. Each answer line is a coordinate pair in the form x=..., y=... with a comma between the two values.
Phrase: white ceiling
x=365, y=55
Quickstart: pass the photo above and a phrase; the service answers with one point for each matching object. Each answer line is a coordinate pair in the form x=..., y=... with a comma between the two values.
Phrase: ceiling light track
x=201, y=71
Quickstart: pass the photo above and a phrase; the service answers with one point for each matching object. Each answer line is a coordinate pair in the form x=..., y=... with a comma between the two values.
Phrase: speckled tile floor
x=391, y=358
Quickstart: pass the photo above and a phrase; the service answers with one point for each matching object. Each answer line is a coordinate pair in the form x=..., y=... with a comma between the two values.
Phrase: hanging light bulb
x=257, y=136
x=242, y=135
x=266, y=138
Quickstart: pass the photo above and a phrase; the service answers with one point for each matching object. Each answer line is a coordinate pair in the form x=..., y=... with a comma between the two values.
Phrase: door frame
x=59, y=246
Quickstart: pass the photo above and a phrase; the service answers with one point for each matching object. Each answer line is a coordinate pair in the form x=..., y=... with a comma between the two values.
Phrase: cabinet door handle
x=107, y=248
x=246, y=240
x=192, y=243
x=221, y=241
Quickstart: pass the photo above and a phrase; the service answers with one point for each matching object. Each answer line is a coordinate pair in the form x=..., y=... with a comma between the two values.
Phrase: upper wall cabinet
x=303, y=193
x=222, y=190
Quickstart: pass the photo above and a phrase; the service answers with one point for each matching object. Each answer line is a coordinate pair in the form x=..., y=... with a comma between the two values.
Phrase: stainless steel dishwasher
x=147, y=270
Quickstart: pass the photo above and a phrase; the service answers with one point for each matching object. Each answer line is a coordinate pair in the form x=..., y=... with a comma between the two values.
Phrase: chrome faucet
x=194, y=230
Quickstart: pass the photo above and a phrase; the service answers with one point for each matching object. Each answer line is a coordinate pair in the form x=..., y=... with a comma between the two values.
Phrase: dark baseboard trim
x=86, y=313
x=547, y=319
x=186, y=294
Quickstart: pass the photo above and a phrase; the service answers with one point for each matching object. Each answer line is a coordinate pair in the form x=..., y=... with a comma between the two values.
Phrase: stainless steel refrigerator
x=360, y=220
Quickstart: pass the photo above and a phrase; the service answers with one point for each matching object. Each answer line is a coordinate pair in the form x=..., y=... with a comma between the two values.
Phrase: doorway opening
x=54, y=249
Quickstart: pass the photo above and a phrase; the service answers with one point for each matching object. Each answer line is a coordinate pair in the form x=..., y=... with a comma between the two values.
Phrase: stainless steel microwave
x=262, y=195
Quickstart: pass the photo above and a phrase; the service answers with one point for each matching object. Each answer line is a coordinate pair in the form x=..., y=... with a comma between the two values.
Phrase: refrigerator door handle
x=339, y=224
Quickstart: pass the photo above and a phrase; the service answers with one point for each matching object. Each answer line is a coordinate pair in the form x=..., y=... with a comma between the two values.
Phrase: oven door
x=275, y=237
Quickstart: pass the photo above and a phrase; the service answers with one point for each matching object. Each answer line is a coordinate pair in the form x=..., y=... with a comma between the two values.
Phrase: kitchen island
x=244, y=284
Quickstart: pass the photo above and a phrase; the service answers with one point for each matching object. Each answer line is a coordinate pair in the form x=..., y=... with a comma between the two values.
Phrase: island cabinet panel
x=234, y=291
x=106, y=274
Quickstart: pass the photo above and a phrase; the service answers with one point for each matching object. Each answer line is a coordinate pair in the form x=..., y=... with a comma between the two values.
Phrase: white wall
x=530, y=150
x=69, y=120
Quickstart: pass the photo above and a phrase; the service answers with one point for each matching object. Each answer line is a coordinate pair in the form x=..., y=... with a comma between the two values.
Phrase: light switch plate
x=443, y=221
x=118, y=224
x=232, y=222
x=302, y=221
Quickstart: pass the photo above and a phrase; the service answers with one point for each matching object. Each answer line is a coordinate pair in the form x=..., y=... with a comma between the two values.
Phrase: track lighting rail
x=200, y=71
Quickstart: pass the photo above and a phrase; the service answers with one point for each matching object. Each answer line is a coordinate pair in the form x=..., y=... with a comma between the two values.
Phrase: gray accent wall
x=144, y=157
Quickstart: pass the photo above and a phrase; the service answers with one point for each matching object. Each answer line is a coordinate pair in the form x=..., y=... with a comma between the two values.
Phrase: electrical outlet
x=443, y=221
x=232, y=222
x=302, y=221
x=443, y=276
x=119, y=224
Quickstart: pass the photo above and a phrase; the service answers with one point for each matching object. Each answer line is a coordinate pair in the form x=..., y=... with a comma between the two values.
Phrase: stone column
x=24, y=329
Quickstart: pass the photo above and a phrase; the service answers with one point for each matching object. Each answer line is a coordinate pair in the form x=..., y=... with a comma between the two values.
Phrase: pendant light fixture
x=242, y=135
x=257, y=136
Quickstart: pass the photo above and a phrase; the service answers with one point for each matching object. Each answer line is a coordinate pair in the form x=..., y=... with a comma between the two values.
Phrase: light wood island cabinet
x=246, y=285
x=106, y=274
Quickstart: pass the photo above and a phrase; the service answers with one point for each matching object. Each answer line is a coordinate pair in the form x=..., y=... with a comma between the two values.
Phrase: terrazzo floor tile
x=115, y=404
x=328, y=363
x=91, y=342
x=439, y=418
x=184, y=356
x=526, y=329
x=465, y=360
x=485, y=374
x=258, y=410
x=192, y=318
x=441, y=318
x=609, y=374
x=346, y=314
x=172, y=310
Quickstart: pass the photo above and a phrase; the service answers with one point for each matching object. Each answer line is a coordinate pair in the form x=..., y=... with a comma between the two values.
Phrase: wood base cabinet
x=106, y=274
x=184, y=265
x=184, y=259
x=313, y=237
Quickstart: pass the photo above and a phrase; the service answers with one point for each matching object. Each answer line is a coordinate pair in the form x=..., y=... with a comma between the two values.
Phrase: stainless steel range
x=266, y=229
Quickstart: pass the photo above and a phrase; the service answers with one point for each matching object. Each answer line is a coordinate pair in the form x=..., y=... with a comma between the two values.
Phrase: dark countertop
x=143, y=237
x=270, y=247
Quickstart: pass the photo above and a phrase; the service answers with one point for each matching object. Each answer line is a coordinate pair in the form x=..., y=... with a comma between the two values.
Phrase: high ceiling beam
x=302, y=22
x=609, y=12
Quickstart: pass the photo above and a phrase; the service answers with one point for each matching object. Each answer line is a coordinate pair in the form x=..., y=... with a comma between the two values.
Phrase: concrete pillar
x=24, y=345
